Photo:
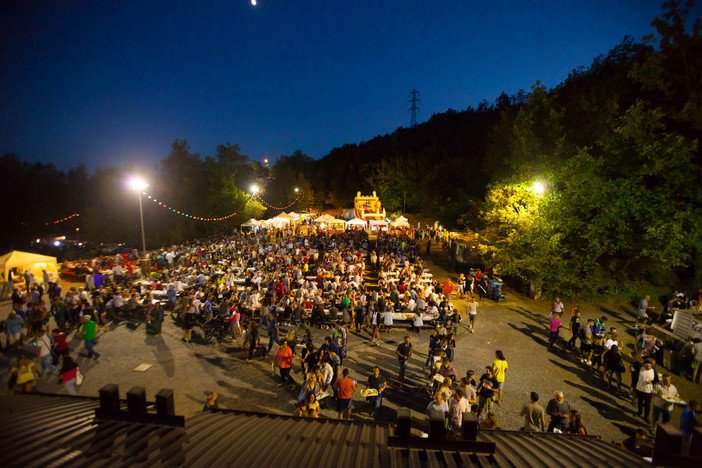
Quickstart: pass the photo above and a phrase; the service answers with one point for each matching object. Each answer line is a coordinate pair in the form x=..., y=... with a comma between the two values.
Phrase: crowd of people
x=305, y=295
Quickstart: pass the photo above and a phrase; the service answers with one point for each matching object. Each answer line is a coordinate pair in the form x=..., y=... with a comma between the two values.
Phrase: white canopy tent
x=356, y=222
x=378, y=224
x=325, y=218
x=25, y=261
x=337, y=223
x=251, y=223
x=285, y=215
x=400, y=222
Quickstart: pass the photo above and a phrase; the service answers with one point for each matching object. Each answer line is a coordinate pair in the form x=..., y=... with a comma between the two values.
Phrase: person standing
x=404, y=351
x=644, y=388
x=283, y=356
x=486, y=390
x=557, y=308
x=377, y=382
x=643, y=309
x=559, y=411
x=574, y=327
x=13, y=329
x=662, y=408
x=23, y=374
x=472, y=312
x=375, y=325
x=88, y=331
x=438, y=407
x=613, y=366
x=554, y=326
x=457, y=406
x=344, y=392
x=533, y=413
x=499, y=369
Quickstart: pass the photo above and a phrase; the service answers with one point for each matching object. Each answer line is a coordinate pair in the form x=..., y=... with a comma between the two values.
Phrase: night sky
x=115, y=82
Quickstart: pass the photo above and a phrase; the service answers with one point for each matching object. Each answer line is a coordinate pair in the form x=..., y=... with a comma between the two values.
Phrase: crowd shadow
x=611, y=412
x=164, y=357
x=533, y=332
x=539, y=318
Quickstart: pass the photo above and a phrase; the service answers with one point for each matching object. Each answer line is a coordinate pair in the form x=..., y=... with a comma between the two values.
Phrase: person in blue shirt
x=688, y=420
x=599, y=327
x=13, y=329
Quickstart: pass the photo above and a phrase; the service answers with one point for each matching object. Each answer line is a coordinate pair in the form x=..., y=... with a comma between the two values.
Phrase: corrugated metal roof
x=49, y=430
x=53, y=430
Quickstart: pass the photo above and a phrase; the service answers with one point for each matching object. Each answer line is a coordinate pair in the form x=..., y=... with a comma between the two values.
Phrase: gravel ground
x=518, y=327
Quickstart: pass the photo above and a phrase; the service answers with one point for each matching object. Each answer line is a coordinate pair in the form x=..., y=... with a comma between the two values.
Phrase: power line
x=413, y=108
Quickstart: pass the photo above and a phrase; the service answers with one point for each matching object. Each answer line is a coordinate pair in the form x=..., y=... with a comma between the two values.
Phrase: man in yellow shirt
x=499, y=369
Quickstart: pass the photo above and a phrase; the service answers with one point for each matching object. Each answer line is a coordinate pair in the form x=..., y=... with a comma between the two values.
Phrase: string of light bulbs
x=299, y=195
x=63, y=219
x=183, y=213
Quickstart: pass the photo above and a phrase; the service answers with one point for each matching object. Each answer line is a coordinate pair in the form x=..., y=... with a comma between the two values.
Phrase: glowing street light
x=139, y=184
x=265, y=160
x=539, y=188
x=254, y=189
x=297, y=189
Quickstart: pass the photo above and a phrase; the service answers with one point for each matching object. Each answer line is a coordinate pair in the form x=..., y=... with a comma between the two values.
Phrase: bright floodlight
x=254, y=188
x=137, y=183
x=265, y=160
x=539, y=187
x=297, y=189
x=253, y=2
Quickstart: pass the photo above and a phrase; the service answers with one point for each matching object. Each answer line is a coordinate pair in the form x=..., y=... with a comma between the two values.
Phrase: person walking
x=88, y=331
x=486, y=391
x=273, y=331
x=663, y=409
x=252, y=339
x=44, y=352
x=644, y=388
x=283, y=356
x=377, y=382
x=404, y=352
x=533, y=414
x=344, y=388
x=499, y=369
x=69, y=374
x=472, y=312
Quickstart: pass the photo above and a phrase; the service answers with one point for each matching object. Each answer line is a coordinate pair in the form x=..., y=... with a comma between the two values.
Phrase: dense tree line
x=616, y=146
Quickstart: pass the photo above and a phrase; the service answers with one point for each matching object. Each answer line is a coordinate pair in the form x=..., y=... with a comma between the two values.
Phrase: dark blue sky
x=114, y=82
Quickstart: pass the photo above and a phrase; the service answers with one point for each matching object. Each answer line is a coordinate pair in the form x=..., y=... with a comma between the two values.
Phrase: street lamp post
x=135, y=183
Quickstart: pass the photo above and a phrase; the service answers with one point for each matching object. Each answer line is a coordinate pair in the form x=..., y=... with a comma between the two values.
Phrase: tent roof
x=251, y=222
x=284, y=215
x=325, y=218
x=19, y=257
x=356, y=222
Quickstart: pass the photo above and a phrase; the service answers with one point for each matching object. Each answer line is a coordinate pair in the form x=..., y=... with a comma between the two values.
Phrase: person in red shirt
x=344, y=388
x=284, y=359
x=448, y=289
